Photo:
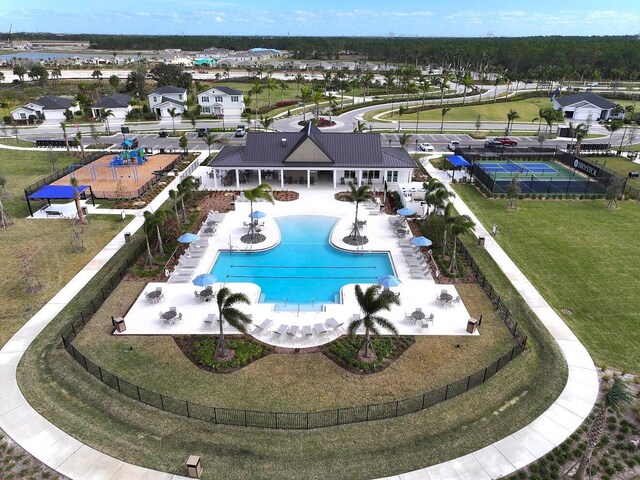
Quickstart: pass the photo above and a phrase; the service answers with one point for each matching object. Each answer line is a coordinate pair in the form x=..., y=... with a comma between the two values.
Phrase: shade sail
x=53, y=192
x=458, y=161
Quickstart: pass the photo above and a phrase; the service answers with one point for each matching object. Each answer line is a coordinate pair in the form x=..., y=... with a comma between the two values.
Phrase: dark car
x=203, y=132
x=492, y=144
x=163, y=134
x=506, y=141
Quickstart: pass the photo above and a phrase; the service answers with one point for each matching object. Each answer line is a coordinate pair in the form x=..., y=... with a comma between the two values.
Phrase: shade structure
x=388, y=281
x=406, y=212
x=204, y=280
x=421, y=241
x=257, y=214
x=187, y=238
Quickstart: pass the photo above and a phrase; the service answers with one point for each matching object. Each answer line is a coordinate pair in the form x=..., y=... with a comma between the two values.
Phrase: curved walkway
x=70, y=457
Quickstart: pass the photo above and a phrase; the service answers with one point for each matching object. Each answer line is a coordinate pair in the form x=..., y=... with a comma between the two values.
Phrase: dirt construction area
x=121, y=180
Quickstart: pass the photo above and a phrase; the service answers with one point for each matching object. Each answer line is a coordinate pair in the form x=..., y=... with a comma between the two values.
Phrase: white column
x=259, y=176
x=308, y=178
x=237, y=179
x=282, y=178
x=335, y=179
x=215, y=178
x=359, y=177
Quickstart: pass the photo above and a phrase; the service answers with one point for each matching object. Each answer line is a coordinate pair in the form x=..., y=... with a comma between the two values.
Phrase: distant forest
x=610, y=57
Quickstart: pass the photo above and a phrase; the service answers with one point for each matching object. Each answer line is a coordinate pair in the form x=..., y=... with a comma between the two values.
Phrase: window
x=350, y=174
x=392, y=176
x=234, y=98
x=204, y=99
x=23, y=116
x=218, y=99
x=155, y=99
x=206, y=110
x=180, y=97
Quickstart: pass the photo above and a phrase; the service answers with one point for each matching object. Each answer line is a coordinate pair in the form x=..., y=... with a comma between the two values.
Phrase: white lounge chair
x=281, y=330
x=266, y=323
x=333, y=324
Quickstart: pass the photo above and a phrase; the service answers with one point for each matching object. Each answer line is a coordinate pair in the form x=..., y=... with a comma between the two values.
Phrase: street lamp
x=222, y=112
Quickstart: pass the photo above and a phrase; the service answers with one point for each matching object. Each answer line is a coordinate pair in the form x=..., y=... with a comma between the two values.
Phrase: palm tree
x=153, y=221
x=449, y=218
x=104, y=116
x=443, y=112
x=539, y=118
x=425, y=87
x=467, y=83
x=209, y=140
x=305, y=95
x=64, y=135
x=270, y=84
x=97, y=74
x=173, y=194
x=614, y=398
x=435, y=195
x=184, y=191
x=76, y=199
x=615, y=125
x=511, y=116
x=266, y=122
x=79, y=139
x=261, y=192
x=410, y=89
x=580, y=133
x=444, y=84
x=404, y=139
x=316, y=98
x=357, y=195
x=227, y=311
x=299, y=79
x=172, y=114
x=513, y=190
x=496, y=82
x=283, y=88
x=371, y=302
x=461, y=225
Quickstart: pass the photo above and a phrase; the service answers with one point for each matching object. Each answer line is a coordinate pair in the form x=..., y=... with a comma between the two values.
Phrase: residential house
x=221, y=101
x=164, y=99
x=586, y=106
x=118, y=103
x=49, y=108
x=311, y=157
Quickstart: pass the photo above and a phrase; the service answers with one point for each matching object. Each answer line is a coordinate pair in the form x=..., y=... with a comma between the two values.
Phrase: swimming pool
x=304, y=268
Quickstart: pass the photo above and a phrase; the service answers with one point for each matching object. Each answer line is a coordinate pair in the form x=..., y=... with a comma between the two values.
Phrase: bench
x=54, y=213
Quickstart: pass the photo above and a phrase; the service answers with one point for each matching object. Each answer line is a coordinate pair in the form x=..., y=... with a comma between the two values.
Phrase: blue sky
x=326, y=17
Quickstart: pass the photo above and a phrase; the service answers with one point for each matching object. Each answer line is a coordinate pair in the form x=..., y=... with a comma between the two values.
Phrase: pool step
x=298, y=307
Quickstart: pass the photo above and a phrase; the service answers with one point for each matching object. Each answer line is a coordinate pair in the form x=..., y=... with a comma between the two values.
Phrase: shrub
x=285, y=103
x=346, y=351
x=245, y=352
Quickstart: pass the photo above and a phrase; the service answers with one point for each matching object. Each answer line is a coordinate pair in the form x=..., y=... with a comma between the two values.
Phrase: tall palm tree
x=270, y=84
x=410, y=89
x=172, y=114
x=425, y=87
x=449, y=218
x=76, y=200
x=227, y=311
x=357, y=195
x=79, y=139
x=444, y=85
x=283, y=88
x=261, y=192
x=467, y=83
x=539, y=119
x=436, y=195
x=443, y=113
x=184, y=192
x=209, y=140
x=316, y=98
x=63, y=126
x=371, y=302
x=614, y=399
x=404, y=139
x=497, y=81
x=305, y=95
x=153, y=222
x=511, y=116
x=299, y=79
x=105, y=114
x=462, y=225
x=97, y=74
x=614, y=126
x=173, y=194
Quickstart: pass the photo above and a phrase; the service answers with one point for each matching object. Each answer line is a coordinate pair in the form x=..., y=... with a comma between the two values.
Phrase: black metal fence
x=290, y=420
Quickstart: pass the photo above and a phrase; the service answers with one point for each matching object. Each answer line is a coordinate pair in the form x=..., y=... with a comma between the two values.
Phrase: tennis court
x=535, y=177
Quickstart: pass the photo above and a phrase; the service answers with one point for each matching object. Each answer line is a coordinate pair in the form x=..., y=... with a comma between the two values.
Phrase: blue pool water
x=304, y=268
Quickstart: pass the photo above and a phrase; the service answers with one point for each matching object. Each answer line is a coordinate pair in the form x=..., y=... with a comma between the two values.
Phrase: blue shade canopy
x=187, y=238
x=257, y=214
x=405, y=211
x=388, y=281
x=421, y=241
x=52, y=192
x=204, y=280
x=458, y=161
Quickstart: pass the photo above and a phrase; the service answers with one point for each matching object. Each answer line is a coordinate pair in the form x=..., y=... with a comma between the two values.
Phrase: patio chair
x=408, y=317
x=457, y=300
x=444, y=291
x=355, y=316
x=178, y=318
x=210, y=319
x=418, y=309
x=173, y=309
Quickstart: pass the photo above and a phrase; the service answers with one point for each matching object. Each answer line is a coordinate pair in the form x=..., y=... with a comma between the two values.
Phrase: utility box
x=194, y=467
x=118, y=322
x=127, y=237
x=471, y=325
x=481, y=241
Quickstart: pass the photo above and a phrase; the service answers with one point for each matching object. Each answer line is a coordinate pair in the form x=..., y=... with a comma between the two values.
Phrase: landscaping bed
x=243, y=351
x=285, y=195
x=346, y=352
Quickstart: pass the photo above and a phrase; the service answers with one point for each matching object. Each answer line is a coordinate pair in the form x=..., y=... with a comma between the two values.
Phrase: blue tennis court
x=508, y=168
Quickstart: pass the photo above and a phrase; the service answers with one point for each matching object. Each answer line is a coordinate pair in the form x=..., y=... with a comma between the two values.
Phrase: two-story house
x=163, y=99
x=221, y=101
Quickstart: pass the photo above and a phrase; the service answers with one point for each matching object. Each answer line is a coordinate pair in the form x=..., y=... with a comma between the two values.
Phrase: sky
x=423, y=18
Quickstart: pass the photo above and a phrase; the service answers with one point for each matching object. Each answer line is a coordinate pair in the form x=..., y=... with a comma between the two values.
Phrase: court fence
x=288, y=420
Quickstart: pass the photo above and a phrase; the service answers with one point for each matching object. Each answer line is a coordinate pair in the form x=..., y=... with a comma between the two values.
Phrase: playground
x=117, y=174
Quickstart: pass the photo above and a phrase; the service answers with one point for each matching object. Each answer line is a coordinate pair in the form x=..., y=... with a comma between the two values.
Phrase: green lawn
x=620, y=165
x=581, y=256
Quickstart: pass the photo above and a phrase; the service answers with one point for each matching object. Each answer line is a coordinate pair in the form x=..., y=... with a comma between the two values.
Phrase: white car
x=453, y=144
x=427, y=147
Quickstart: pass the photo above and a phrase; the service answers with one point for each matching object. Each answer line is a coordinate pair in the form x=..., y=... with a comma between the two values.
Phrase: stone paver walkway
x=78, y=461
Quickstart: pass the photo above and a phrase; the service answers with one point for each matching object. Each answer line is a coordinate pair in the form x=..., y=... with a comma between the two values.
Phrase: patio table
x=417, y=316
x=154, y=296
x=446, y=297
x=169, y=315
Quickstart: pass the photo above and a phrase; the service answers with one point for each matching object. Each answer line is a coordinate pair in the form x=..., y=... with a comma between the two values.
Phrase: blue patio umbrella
x=388, y=281
x=421, y=242
x=257, y=214
x=406, y=212
x=204, y=280
x=187, y=238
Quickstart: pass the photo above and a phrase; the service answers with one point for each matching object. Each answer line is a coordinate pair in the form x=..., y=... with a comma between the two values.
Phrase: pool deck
x=143, y=318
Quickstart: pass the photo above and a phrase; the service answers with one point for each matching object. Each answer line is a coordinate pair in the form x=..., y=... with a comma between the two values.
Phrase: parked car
x=427, y=147
x=492, y=144
x=453, y=145
x=163, y=134
x=202, y=132
x=506, y=141
x=240, y=131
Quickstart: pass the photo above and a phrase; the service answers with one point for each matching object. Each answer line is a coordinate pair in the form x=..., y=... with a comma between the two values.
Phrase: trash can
x=481, y=241
x=85, y=211
x=118, y=322
x=194, y=467
x=127, y=237
x=471, y=325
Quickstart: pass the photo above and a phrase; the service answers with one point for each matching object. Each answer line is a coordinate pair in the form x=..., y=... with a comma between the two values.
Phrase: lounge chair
x=210, y=319
x=293, y=331
x=306, y=331
x=319, y=328
x=333, y=324
x=281, y=330
x=266, y=323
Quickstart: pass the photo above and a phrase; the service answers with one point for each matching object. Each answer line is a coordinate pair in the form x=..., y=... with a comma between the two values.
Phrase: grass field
x=49, y=241
x=619, y=165
x=581, y=256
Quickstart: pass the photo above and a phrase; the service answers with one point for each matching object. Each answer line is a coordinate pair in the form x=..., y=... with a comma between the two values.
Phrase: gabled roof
x=592, y=98
x=338, y=150
x=170, y=100
x=51, y=102
x=115, y=100
x=225, y=90
x=168, y=89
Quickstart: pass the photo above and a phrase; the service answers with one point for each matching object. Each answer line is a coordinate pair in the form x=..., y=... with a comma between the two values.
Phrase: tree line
x=607, y=57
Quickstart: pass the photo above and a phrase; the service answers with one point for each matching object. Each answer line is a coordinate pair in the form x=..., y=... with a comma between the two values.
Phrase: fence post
x=100, y=372
x=245, y=418
x=484, y=377
x=424, y=399
x=368, y=405
x=188, y=412
x=307, y=415
x=397, y=401
x=138, y=390
x=161, y=402
x=468, y=382
x=118, y=384
x=446, y=392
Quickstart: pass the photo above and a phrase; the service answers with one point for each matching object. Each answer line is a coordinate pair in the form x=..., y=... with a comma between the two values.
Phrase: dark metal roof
x=168, y=89
x=51, y=102
x=170, y=100
x=344, y=150
x=115, y=100
x=228, y=90
x=592, y=98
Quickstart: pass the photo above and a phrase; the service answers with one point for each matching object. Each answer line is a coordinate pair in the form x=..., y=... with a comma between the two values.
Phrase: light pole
x=222, y=111
x=417, y=119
